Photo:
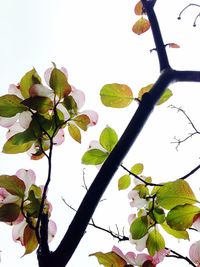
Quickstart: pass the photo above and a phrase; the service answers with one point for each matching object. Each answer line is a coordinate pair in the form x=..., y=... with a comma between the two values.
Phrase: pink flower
x=196, y=223
x=28, y=177
x=44, y=106
x=194, y=253
x=137, y=201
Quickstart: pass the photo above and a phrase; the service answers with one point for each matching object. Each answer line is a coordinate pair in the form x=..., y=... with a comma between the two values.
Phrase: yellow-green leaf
x=116, y=95
x=10, y=105
x=181, y=217
x=58, y=82
x=155, y=242
x=165, y=96
x=109, y=259
x=124, y=182
x=175, y=193
x=10, y=148
x=94, y=157
x=108, y=138
x=139, y=227
x=178, y=234
x=74, y=132
x=142, y=25
x=137, y=168
x=29, y=79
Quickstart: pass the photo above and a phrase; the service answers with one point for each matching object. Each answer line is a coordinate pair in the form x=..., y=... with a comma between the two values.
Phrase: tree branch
x=160, y=47
x=80, y=221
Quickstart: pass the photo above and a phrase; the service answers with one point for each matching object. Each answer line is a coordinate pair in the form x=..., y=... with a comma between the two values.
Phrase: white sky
x=94, y=41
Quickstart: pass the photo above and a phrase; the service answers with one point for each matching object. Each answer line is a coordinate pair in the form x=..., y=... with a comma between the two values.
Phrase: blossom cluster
x=20, y=201
x=35, y=114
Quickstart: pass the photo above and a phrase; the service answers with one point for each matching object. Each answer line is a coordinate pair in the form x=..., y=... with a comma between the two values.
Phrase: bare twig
x=179, y=256
x=178, y=141
x=185, y=8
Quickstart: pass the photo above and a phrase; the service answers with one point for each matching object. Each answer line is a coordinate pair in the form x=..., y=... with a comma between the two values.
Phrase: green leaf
x=144, y=90
x=10, y=148
x=58, y=82
x=175, y=193
x=124, y=182
x=116, y=95
x=29, y=79
x=19, y=142
x=82, y=121
x=108, y=139
x=155, y=242
x=137, y=168
x=29, y=240
x=181, y=217
x=94, y=157
x=10, y=105
x=34, y=197
x=139, y=227
x=9, y=212
x=158, y=215
x=175, y=233
x=74, y=132
x=109, y=259
x=166, y=95
x=39, y=103
x=12, y=184
x=70, y=104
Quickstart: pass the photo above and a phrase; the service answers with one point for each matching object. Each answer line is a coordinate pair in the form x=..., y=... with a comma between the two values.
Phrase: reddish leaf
x=82, y=121
x=9, y=212
x=12, y=184
x=29, y=240
x=109, y=259
x=173, y=45
x=138, y=8
x=142, y=25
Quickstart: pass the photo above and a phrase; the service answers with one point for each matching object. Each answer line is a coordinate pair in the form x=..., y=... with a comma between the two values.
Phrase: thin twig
x=139, y=178
x=185, y=8
x=179, y=256
x=195, y=131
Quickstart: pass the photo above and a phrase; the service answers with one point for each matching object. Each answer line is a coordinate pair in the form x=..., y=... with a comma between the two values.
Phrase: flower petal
x=8, y=122
x=59, y=138
x=40, y=90
x=6, y=197
x=194, y=252
x=27, y=176
x=14, y=129
x=15, y=90
x=52, y=229
x=25, y=118
x=78, y=96
x=18, y=232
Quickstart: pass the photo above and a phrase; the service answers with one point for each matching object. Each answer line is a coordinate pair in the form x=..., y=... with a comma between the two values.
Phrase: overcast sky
x=94, y=41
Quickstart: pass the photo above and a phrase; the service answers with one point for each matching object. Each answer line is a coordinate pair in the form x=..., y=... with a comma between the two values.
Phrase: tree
x=39, y=102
